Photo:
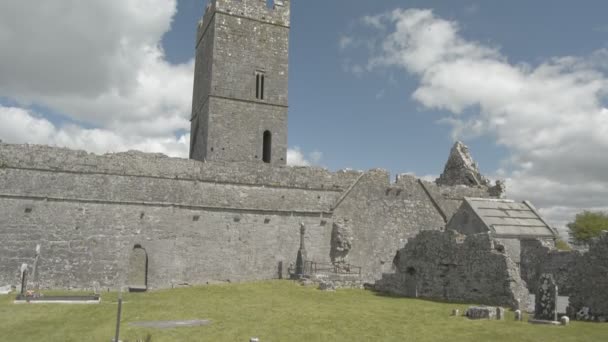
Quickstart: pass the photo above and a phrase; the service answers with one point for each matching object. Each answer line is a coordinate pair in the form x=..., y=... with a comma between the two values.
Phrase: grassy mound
x=272, y=311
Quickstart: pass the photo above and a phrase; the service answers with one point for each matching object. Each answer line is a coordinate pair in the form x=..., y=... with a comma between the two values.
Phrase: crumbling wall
x=454, y=267
x=589, y=281
x=383, y=216
x=540, y=257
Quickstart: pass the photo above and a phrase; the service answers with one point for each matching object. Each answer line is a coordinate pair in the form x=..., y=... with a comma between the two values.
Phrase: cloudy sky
x=373, y=84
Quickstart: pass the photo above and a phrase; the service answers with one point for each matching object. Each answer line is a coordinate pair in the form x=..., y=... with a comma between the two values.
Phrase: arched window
x=267, y=147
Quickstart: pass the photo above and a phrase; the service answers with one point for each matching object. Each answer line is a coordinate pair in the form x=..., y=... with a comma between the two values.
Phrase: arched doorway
x=411, y=282
x=267, y=147
x=138, y=270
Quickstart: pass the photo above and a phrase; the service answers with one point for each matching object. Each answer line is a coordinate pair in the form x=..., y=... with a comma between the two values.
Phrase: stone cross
x=546, y=299
x=23, y=279
x=302, y=257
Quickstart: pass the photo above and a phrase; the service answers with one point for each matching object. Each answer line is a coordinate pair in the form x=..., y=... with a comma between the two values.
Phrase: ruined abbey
x=234, y=211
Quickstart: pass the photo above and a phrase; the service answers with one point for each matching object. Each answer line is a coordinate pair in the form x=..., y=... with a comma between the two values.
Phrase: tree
x=588, y=225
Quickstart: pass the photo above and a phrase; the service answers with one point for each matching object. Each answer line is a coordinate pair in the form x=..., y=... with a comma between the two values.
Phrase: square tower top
x=275, y=12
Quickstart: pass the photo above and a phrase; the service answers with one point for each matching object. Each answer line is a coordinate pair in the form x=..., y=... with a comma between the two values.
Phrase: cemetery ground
x=272, y=311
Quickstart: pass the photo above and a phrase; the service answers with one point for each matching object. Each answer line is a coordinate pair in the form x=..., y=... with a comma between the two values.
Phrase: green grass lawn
x=272, y=311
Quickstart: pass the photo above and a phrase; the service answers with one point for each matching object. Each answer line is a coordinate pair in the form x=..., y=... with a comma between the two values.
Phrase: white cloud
x=98, y=62
x=551, y=117
x=19, y=125
x=295, y=157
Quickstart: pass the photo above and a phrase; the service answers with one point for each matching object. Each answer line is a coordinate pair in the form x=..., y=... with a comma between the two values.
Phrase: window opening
x=267, y=148
x=259, y=85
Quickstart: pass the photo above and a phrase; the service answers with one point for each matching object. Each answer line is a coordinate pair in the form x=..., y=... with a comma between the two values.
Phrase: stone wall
x=453, y=267
x=139, y=164
x=384, y=216
x=589, y=281
x=539, y=257
x=198, y=222
x=86, y=242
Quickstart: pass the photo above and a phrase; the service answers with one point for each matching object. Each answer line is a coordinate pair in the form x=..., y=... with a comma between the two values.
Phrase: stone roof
x=507, y=218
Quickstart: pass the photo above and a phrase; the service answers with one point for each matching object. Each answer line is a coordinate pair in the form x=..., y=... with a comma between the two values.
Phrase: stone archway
x=138, y=270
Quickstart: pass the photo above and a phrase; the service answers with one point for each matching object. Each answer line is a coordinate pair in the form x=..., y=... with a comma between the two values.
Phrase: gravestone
x=546, y=299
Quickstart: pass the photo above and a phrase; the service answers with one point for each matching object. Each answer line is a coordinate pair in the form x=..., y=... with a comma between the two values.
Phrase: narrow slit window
x=262, y=87
x=259, y=85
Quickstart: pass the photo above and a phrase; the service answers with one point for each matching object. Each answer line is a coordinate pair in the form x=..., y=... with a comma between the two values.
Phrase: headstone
x=254, y=339
x=480, y=312
x=546, y=299
x=500, y=313
x=518, y=315
x=455, y=312
x=565, y=320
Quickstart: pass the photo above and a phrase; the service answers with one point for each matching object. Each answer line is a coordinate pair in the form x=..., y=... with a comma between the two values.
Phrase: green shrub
x=588, y=225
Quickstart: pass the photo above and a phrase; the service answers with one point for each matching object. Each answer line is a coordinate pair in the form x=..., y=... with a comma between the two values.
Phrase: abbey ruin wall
x=198, y=222
x=456, y=268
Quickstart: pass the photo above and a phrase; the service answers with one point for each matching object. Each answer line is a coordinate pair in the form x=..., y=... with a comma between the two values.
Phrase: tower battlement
x=277, y=14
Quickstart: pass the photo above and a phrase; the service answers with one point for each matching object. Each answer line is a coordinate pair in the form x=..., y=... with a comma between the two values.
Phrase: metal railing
x=312, y=268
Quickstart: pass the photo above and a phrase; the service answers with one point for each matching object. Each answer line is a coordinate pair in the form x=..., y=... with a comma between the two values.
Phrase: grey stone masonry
x=588, y=282
x=454, y=267
x=240, y=96
x=197, y=222
x=539, y=257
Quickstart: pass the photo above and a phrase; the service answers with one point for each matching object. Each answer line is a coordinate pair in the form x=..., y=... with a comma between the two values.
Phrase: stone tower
x=239, y=105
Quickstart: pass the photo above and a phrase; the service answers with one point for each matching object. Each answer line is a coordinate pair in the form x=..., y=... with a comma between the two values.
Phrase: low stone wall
x=452, y=267
x=589, y=282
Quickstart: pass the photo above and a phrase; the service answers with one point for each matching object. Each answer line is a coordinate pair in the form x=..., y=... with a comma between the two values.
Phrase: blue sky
x=373, y=84
x=364, y=121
